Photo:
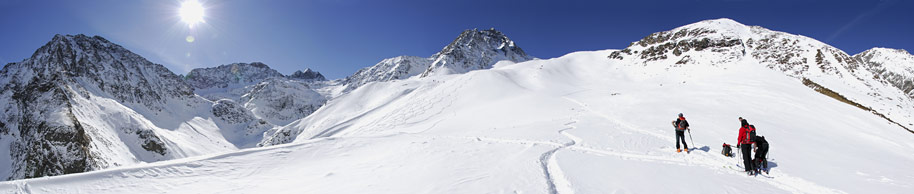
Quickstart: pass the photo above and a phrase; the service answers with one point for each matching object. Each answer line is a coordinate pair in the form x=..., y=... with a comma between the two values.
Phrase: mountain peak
x=885, y=50
x=77, y=44
x=894, y=65
x=123, y=74
x=724, y=37
x=475, y=49
x=235, y=73
x=716, y=22
x=308, y=74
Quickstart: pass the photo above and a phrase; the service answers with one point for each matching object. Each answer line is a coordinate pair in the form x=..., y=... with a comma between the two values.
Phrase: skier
x=761, y=151
x=680, y=124
x=745, y=144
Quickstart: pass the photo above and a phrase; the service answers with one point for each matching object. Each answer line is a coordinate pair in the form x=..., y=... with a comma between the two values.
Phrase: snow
x=898, y=61
x=580, y=123
x=114, y=127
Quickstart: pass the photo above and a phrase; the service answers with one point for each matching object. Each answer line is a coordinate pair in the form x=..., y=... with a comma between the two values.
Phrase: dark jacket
x=681, y=124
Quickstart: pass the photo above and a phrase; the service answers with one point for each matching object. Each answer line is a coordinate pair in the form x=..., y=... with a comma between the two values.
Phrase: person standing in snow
x=681, y=125
x=745, y=144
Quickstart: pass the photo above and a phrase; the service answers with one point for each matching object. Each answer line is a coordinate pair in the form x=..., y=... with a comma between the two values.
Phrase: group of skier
x=747, y=141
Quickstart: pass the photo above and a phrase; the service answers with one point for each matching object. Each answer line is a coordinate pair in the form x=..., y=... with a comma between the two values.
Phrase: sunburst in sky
x=191, y=12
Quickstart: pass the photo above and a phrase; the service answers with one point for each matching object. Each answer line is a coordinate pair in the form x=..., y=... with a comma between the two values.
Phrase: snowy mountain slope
x=270, y=98
x=82, y=103
x=895, y=66
x=579, y=123
x=474, y=50
x=231, y=74
x=110, y=107
x=722, y=42
x=238, y=124
x=396, y=68
x=471, y=50
x=281, y=101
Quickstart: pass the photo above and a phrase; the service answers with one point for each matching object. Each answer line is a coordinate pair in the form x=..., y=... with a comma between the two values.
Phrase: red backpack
x=750, y=134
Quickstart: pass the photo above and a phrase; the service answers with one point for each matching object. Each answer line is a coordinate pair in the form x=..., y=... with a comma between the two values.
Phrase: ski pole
x=740, y=154
x=690, y=138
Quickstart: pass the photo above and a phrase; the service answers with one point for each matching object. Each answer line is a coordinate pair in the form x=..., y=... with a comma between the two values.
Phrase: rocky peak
x=722, y=41
x=723, y=36
x=94, y=62
x=879, y=55
x=475, y=49
x=235, y=73
x=401, y=67
x=51, y=95
x=895, y=66
x=308, y=75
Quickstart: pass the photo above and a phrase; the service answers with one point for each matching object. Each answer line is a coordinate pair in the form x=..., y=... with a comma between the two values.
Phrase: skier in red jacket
x=745, y=144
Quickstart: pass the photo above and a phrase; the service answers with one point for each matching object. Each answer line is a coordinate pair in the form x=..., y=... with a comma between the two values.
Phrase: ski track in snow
x=23, y=187
x=783, y=181
x=555, y=177
x=558, y=183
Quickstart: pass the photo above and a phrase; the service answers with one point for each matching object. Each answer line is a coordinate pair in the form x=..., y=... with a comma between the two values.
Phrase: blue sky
x=337, y=37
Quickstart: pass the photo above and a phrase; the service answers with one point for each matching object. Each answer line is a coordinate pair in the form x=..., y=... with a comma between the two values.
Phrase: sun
x=191, y=12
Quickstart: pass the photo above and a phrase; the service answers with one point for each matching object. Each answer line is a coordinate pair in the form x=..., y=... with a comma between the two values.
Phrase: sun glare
x=191, y=12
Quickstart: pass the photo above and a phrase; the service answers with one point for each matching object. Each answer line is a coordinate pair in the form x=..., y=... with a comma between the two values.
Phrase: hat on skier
x=680, y=114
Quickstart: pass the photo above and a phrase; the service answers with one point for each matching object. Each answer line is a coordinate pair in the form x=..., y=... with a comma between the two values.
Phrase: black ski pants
x=747, y=156
x=760, y=155
x=680, y=134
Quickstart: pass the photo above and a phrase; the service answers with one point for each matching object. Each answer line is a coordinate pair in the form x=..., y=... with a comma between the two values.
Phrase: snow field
x=573, y=124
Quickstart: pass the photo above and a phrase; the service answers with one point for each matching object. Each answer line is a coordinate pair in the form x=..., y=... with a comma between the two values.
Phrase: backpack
x=752, y=137
x=682, y=124
x=727, y=151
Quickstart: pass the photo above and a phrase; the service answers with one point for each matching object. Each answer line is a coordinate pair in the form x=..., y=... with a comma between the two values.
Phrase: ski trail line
x=556, y=180
x=783, y=181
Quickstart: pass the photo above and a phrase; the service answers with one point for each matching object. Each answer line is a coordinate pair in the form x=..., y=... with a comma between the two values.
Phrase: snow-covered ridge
x=235, y=73
x=474, y=50
x=281, y=101
x=895, y=66
x=400, y=67
x=471, y=50
x=723, y=42
x=270, y=98
x=103, y=64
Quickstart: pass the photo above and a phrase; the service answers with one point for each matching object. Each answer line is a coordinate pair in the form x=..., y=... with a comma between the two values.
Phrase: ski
x=741, y=170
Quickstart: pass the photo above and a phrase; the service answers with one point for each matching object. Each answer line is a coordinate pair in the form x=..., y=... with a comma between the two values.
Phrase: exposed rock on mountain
x=235, y=73
x=861, y=79
x=475, y=49
x=308, y=75
x=472, y=50
x=82, y=103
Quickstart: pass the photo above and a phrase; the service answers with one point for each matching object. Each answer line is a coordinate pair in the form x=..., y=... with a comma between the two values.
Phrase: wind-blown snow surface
x=580, y=123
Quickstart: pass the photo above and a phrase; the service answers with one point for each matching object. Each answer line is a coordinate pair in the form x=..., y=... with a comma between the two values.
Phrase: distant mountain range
x=83, y=103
